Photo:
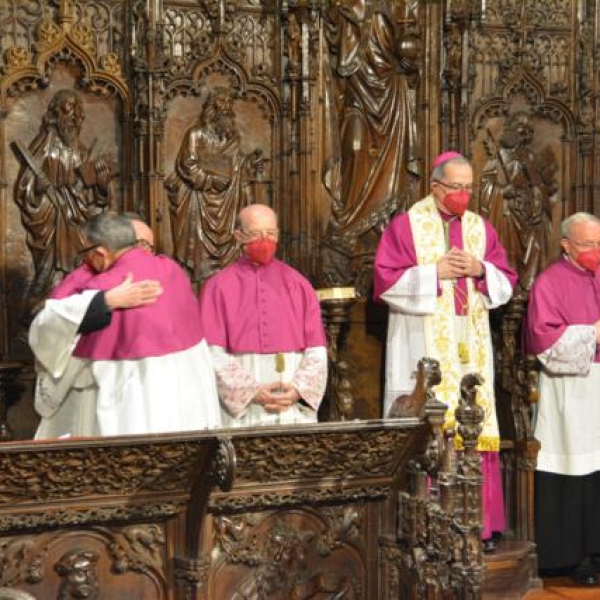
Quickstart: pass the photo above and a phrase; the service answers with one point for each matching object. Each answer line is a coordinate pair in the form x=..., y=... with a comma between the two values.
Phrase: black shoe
x=489, y=545
x=585, y=577
x=596, y=562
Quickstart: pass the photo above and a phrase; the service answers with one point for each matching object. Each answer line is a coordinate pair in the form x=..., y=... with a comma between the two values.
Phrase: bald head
x=144, y=236
x=256, y=217
x=143, y=233
x=256, y=222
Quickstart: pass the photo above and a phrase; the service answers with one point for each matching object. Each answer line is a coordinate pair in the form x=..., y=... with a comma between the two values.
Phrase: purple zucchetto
x=440, y=159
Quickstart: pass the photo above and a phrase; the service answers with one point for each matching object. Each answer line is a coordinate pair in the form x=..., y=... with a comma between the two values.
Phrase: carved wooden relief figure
x=59, y=187
x=208, y=187
x=377, y=126
x=518, y=189
x=286, y=569
x=79, y=579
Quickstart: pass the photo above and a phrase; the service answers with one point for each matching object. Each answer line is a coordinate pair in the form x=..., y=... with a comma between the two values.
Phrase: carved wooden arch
x=544, y=108
x=541, y=105
x=69, y=43
x=258, y=93
x=221, y=63
x=101, y=76
x=135, y=549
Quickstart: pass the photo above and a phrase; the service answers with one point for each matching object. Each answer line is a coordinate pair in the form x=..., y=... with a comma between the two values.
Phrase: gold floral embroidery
x=440, y=332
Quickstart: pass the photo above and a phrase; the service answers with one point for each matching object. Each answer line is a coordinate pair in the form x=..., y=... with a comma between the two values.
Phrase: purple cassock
x=550, y=313
x=74, y=283
x=396, y=254
x=171, y=324
x=260, y=309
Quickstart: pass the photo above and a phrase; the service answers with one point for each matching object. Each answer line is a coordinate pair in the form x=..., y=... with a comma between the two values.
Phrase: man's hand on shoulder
x=130, y=294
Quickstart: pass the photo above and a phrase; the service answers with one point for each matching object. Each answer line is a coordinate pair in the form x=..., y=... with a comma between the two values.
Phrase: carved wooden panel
x=296, y=553
x=101, y=519
x=338, y=109
x=316, y=91
x=303, y=513
x=94, y=563
x=51, y=51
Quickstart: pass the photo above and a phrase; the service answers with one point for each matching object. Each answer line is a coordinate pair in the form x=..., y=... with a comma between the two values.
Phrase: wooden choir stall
x=362, y=509
x=331, y=113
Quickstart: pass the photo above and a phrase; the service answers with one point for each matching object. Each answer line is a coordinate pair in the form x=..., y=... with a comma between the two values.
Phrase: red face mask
x=260, y=251
x=589, y=259
x=457, y=202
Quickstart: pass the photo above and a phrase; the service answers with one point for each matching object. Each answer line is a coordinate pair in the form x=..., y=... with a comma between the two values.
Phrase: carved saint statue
x=518, y=188
x=59, y=187
x=373, y=72
x=208, y=187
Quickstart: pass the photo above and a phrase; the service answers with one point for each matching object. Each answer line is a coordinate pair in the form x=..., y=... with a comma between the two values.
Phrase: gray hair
x=574, y=219
x=110, y=230
x=439, y=171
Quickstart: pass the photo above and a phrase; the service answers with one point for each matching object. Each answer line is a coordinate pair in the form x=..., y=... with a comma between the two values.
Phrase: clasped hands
x=458, y=263
x=276, y=396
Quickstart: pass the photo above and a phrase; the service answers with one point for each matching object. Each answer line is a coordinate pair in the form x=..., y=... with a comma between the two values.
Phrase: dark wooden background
x=348, y=102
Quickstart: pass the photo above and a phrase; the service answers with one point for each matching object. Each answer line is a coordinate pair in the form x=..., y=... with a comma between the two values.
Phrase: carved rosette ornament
x=138, y=548
x=224, y=465
x=15, y=58
x=47, y=34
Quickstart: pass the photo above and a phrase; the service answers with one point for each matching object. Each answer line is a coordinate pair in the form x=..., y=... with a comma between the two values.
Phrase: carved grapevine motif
x=319, y=495
x=337, y=455
x=30, y=477
x=78, y=517
x=22, y=559
x=138, y=548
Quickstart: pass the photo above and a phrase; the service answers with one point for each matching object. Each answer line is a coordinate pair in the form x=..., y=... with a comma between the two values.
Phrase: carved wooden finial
x=66, y=14
x=468, y=413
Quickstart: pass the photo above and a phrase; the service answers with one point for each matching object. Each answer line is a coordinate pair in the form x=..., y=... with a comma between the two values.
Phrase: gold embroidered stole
x=441, y=339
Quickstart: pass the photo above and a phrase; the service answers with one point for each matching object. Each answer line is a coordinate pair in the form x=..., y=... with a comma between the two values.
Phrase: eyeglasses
x=253, y=234
x=586, y=245
x=456, y=187
x=82, y=255
x=145, y=245
x=87, y=249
